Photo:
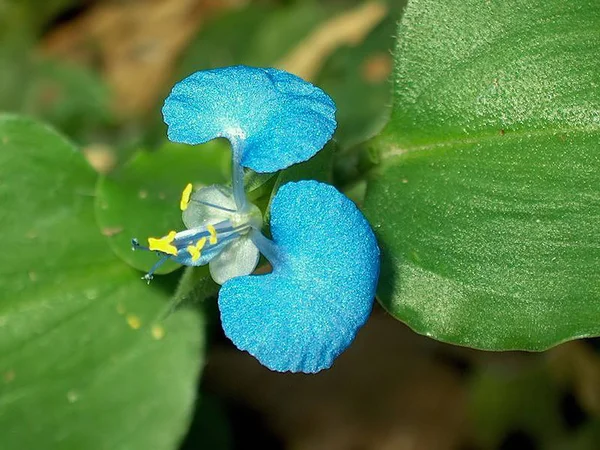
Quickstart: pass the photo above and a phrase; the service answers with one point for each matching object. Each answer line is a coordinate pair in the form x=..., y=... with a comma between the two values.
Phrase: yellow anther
x=164, y=244
x=213, y=234
x=185, y=197
x=194, y=250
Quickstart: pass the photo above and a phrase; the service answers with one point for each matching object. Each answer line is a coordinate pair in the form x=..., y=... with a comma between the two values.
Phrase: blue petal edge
x=272, y=118
x=301, y=316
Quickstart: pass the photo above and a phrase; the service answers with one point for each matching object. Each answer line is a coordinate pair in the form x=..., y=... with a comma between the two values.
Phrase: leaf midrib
x=393, y=151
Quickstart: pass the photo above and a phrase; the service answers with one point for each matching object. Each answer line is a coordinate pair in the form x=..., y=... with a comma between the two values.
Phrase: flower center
x=213, y=221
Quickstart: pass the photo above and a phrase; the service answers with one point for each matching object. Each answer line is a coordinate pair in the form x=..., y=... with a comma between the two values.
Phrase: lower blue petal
x=301, y=316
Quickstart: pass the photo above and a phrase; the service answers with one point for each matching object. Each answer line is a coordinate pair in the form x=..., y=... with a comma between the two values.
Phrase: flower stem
x=239, y=194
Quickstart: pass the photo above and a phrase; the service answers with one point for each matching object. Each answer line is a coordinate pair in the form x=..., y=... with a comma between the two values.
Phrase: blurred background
x=98, y=71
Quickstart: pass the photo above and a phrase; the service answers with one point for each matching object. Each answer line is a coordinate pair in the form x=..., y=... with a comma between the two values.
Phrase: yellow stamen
x=185, y=197
x=194, y=250
x=213, y=234
x=200, y=243
x=164, y=244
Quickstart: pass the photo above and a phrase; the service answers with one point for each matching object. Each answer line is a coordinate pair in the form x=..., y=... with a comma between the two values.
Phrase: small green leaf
x=487, y=203
x=141, y=199
x=258, y=184
x=72, y=98
x=85, y=360
x=316, y=168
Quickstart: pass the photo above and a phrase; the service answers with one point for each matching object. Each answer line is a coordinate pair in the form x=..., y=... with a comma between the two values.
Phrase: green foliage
x=86, y=359
x=31, y=14
x=524, y=399
x=141, y=199
x=486, y=202
x=257, y=35
x=72, y=98
x=356, y=78
x=316, y=168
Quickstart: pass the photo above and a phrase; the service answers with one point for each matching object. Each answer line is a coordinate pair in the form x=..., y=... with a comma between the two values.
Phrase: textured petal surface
x=276, y=119
x=239, y=258
x=307, y=311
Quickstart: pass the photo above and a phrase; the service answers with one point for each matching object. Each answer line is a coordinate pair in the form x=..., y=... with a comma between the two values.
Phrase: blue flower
x=325, y=260
x=272, y=118
x=324, y=255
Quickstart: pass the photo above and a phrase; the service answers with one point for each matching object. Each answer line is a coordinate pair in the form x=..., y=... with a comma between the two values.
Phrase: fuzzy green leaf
x=487, y=202
x=86, y=359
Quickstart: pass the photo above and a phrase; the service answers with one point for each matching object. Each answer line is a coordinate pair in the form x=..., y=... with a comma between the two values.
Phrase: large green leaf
x=487, y=202
x=85, y=360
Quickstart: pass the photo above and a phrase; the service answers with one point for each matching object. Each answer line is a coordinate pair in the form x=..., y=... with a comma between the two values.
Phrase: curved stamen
x=150, y=275
x=211, y=205
x=135, y=245
x=222, y=230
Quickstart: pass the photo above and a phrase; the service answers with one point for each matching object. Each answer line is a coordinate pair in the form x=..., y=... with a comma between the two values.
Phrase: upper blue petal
x=307, y=311
x=274, y=118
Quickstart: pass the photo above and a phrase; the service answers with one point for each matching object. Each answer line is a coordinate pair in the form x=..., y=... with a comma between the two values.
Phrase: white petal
x=237, y=259
x=200, y=214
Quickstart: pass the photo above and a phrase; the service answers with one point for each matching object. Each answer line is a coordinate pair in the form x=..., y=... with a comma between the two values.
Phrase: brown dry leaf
x=387, y=391
x=111, y=231
x=101, y=157
x=377, y=67
x=349, y=28
x=136, y=43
